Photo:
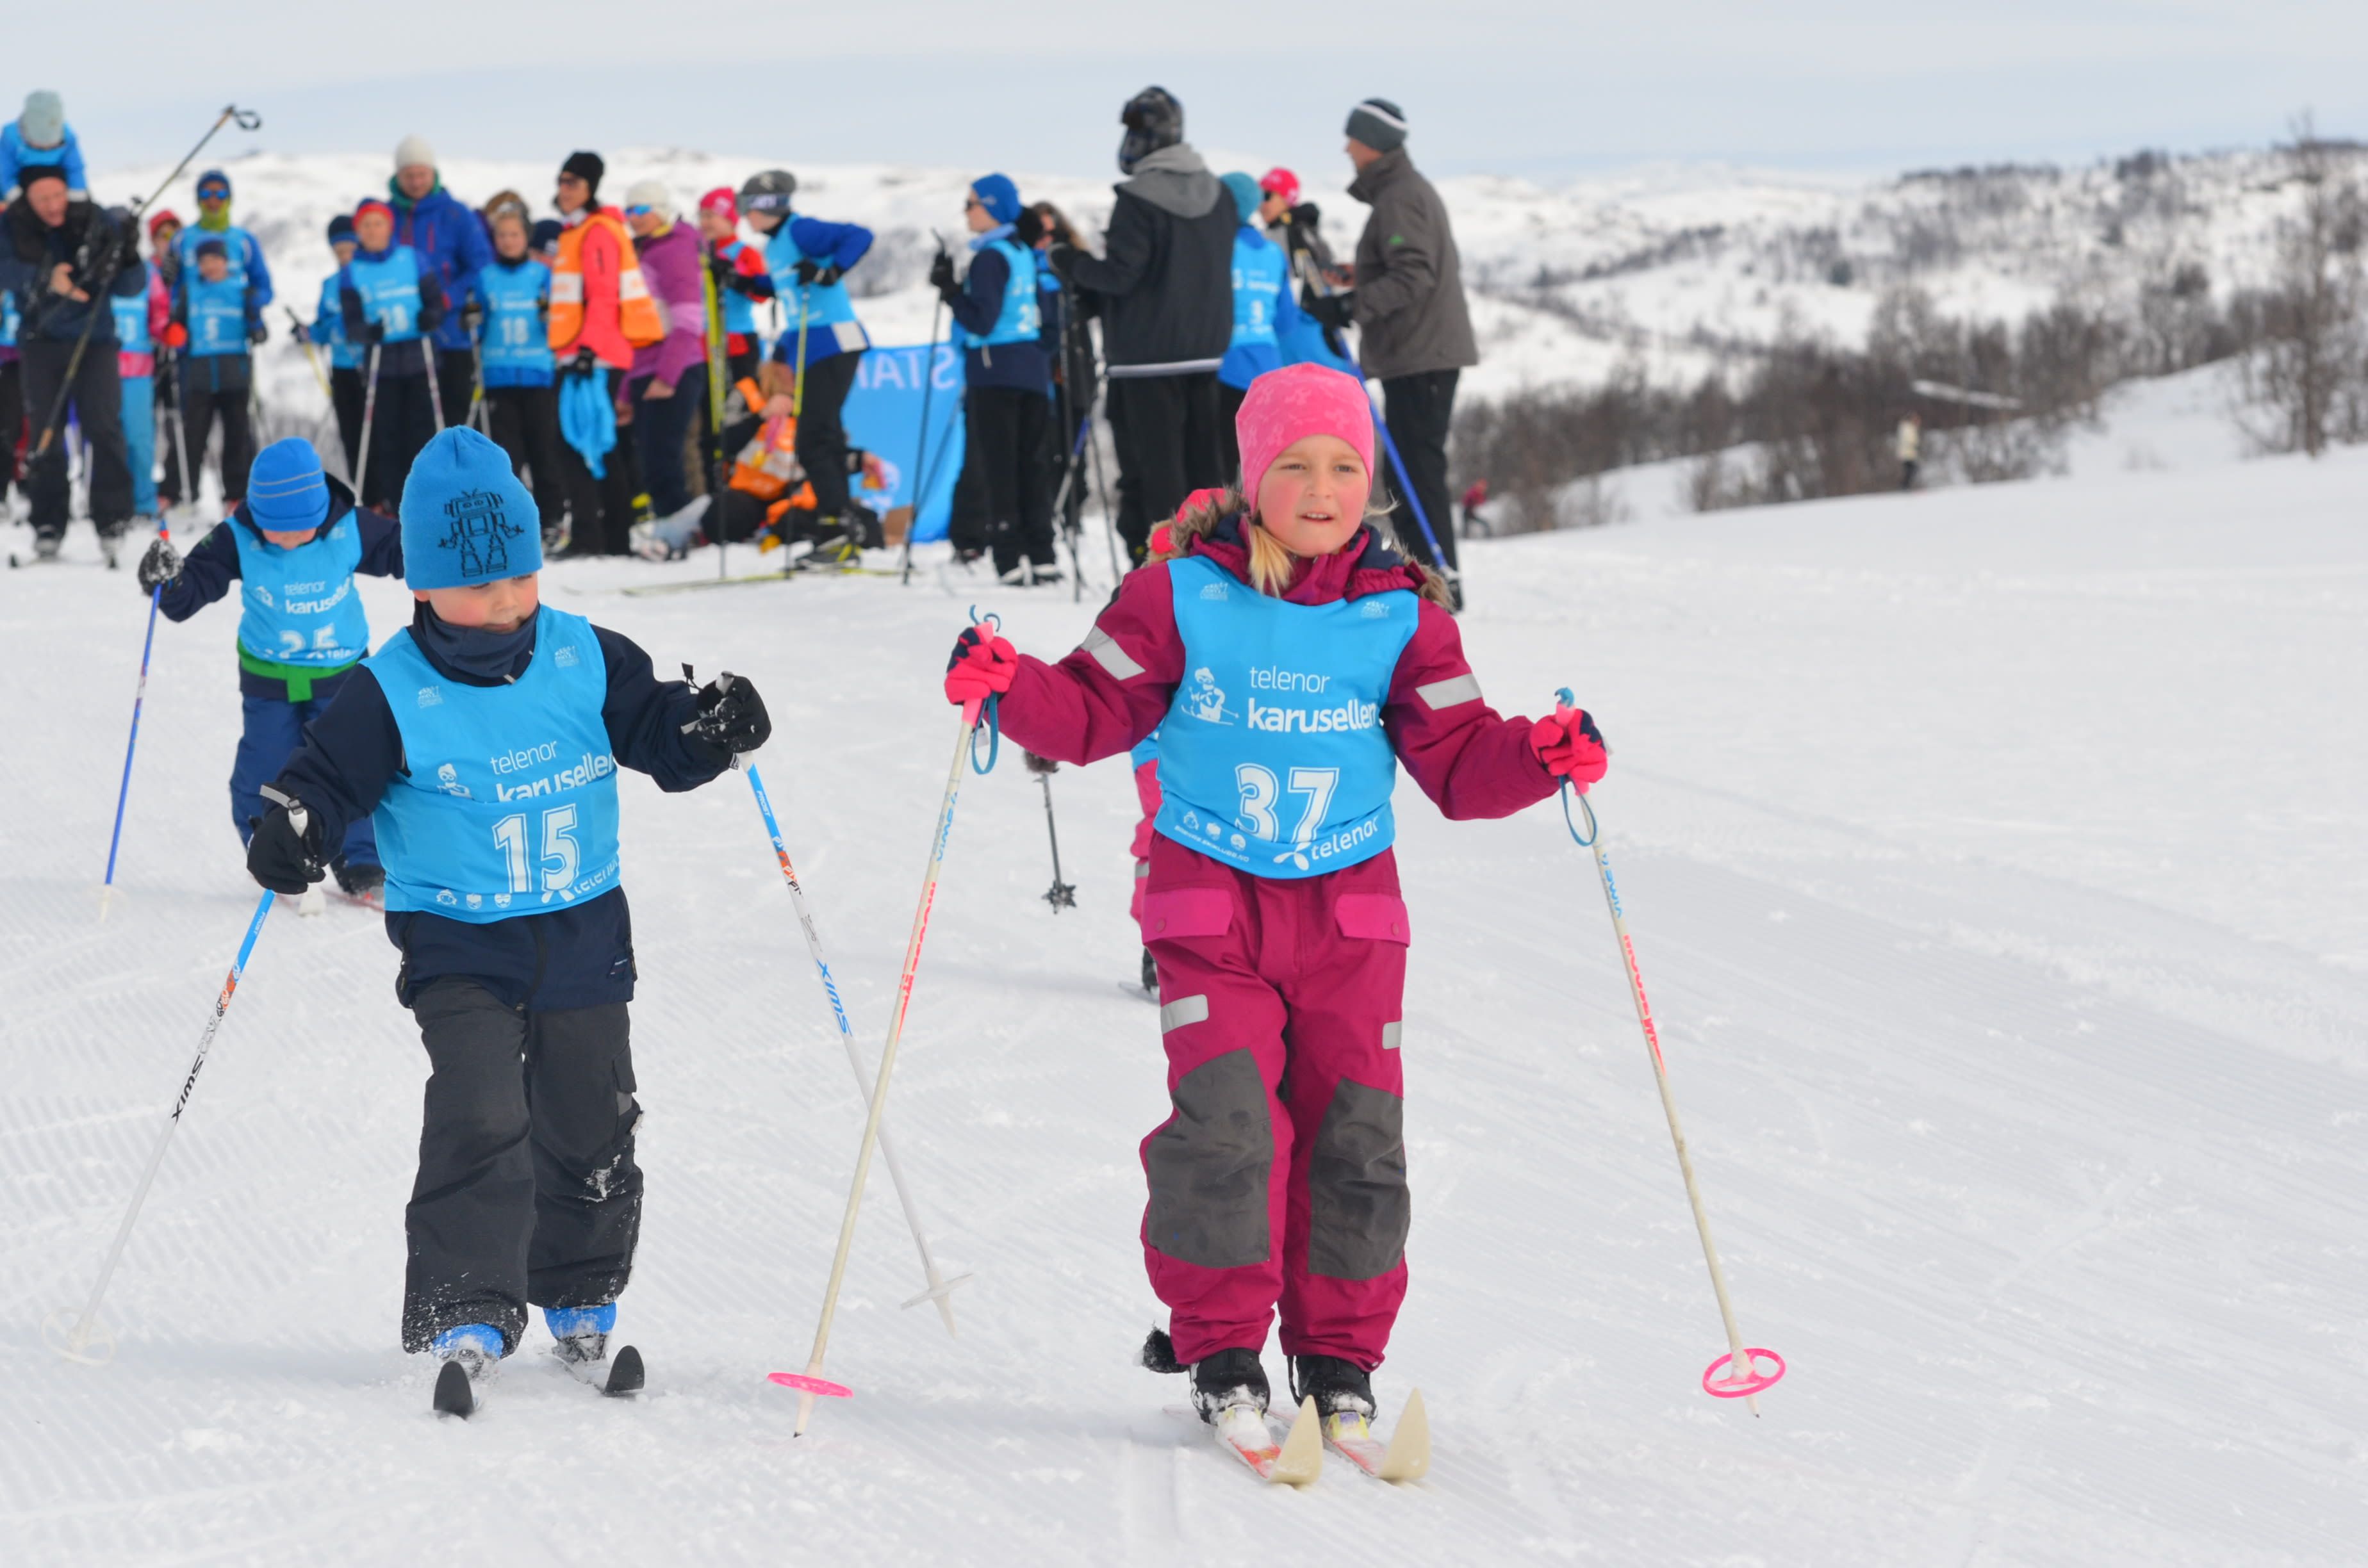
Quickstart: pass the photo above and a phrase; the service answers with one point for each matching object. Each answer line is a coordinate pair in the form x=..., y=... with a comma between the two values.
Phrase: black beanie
x=1379, y=124
x=587, y=167
x=32, y=172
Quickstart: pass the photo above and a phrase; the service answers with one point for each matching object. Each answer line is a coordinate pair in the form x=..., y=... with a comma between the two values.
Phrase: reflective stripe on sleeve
x=1439, y=694
x=1183, y=1010
x=1113, y=658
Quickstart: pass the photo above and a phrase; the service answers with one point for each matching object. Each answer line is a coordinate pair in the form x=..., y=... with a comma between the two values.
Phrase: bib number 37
x=1260, y=791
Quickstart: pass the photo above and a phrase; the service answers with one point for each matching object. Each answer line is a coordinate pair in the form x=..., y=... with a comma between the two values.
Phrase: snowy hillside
x=1666, y=266
x=1996, y=860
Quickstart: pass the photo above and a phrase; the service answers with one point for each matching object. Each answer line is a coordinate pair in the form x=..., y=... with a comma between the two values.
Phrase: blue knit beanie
x=285, y=491
x=998, y=196
x=1246, y=194
x=466, y=517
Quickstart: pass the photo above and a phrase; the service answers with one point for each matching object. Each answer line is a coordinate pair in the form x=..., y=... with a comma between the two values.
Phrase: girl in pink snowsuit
x=1289, y=660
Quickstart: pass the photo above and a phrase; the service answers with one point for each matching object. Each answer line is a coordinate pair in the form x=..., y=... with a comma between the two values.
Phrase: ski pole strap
x=992, y=720
x=298, y=678
x=1563, y=701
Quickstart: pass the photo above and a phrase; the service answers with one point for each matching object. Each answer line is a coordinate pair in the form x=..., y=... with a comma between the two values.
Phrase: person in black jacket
x=1166, y=279
x=503, y=895
x=61, y=260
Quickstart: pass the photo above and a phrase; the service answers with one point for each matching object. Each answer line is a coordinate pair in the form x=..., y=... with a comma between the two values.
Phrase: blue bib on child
x=329, y=328
x=516, y=345
x=509, y=806
x=131, y=335
x=1259, y=270
x=1022, y=320
x=299, y=606
x=826, y=309
x=739, y=310
x=1272, y=757
x=389, y=288
x=216, y=315
x=237, y=244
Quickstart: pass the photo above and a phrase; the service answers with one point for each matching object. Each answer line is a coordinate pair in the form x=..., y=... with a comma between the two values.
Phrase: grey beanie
x=1379, y=124
x=43, y=123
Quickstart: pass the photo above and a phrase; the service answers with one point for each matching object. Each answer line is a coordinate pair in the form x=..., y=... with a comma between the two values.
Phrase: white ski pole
x=1744, y=1379
x=812, y=1383
x=369, y=417
x=73, y=1345
x=940, y=1289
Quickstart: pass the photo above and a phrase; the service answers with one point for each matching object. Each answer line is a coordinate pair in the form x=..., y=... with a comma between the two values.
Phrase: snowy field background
x=1995, y=858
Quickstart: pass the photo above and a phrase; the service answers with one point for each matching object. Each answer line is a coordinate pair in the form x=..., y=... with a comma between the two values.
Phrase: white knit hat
x=650, y=193
x=414, y=149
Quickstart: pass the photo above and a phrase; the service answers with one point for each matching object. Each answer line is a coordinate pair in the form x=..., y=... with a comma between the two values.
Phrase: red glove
x=175, y=336
x=1570, y=747
x=983, y=666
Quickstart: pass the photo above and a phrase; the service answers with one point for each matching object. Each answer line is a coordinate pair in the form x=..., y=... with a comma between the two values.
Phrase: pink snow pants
x=1278, y=1181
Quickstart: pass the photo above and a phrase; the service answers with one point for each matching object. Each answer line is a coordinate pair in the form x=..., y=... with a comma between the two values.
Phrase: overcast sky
x=1517, y=86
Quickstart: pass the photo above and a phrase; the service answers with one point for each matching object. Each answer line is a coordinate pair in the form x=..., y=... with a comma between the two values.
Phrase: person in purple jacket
x=661, y=389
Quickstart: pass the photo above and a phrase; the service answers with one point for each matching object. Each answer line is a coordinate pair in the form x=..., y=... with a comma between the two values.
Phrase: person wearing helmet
x=807, y=260
x=1165, y=281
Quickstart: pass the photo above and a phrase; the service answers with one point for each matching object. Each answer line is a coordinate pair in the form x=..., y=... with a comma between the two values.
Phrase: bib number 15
x=1260, y=793
x=559, y=857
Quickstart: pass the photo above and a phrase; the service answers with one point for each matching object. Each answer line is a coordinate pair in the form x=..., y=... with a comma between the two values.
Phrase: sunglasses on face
x=642, y=210
x=214, y=193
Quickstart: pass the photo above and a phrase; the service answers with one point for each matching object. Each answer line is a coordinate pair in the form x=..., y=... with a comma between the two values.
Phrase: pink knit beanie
x=1295, y=402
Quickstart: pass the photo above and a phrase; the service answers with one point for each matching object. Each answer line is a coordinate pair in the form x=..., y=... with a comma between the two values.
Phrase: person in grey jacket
x=1164, y=285
x=1407, y=303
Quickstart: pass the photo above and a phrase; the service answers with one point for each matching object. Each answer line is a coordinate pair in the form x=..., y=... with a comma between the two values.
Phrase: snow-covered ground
x=1996, y=860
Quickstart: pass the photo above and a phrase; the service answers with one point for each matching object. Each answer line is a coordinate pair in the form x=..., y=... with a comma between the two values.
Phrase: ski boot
x=45, y=548
x=580, y=1339
x=363, y=884
x=1229, y=1379
x=469, y=1354
x=1343, y=1392
x=838, y=542
x=1150, y=974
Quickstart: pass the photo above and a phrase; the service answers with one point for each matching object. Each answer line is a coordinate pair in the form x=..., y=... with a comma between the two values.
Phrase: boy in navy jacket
x=294, y=544
x=484, y=742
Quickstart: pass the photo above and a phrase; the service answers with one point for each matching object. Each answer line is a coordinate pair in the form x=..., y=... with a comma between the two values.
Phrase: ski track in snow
x=1994, y=860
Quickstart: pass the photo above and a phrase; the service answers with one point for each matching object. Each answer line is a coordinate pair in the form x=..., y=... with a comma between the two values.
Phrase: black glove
x=374, y=333
x=159, y=566
x=731, y=714
x=303, y=334
x=822, y=275
x=285, y=853
x=1038, y=764
x=470, y=314
x=941, y=272
x=584, y=362
x=1029, y=227
x=1059, y=257
x=257, y=333
x=1336, y=311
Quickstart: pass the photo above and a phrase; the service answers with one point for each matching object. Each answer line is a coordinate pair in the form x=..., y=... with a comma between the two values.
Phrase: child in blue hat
x=484, y=742
x=294, y=544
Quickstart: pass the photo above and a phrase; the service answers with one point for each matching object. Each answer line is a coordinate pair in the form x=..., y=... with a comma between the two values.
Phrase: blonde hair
x=1271, y=562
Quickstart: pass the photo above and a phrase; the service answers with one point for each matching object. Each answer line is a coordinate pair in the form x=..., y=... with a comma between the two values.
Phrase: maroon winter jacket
x=1471, y=761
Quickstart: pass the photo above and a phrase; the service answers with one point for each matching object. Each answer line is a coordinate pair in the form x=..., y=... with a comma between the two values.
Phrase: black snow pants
x=822, y=438
x=1165, y=431
x=1007, y=439
x=527, y=1191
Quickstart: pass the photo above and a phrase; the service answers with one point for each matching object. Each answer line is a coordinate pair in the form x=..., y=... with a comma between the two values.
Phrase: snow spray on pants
x=1279, y=1182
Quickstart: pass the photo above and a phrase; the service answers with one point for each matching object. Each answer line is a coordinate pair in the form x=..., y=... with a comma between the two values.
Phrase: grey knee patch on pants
x=1359, y=1210
x=1209, y=1167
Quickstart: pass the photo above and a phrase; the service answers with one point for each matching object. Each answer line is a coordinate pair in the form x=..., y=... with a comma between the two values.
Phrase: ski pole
x=940, y=1289
x=369, y=413
x=304, y=341
x=189, y=484
x=1744, y=1379
x=811, y=1382
x=247, y=121
x=715, y=397
x=75, y=1344
x=921, y=475
x=1397, y=466
x=1063, y=896
x=138, y=695
x=1101, y=486
x=434, y=378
